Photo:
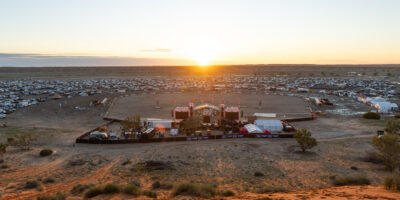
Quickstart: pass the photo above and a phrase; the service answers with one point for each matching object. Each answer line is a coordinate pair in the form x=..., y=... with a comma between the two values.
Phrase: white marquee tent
x=385, y=107
x=270, y=125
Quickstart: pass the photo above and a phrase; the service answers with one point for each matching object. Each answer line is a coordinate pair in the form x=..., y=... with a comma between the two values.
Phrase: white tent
x=385, y=107
x=252, y=129
x=270, y=125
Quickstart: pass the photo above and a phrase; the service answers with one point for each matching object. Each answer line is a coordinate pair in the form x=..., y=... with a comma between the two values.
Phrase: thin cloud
x=156, y=50
x=34, y=60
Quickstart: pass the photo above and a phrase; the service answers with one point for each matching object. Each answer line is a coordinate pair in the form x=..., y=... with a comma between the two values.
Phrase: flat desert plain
x=230, y=164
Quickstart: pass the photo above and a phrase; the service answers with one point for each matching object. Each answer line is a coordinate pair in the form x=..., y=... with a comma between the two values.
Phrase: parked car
x=96, y=135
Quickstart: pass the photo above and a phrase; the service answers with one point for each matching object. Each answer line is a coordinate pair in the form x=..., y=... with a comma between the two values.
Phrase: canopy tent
x=270, y=125
x=385, y=107
x=252, y=129
x=243, y=130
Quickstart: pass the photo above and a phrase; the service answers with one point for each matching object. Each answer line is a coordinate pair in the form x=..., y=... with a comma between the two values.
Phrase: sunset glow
x=197, y=32
x=202, y=59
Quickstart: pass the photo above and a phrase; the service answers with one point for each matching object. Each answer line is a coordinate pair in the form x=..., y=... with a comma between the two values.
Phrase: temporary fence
x=84, y=138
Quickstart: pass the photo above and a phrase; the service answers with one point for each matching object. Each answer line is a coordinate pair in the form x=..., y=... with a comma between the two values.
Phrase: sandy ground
x=229, y=164
x=144, y=104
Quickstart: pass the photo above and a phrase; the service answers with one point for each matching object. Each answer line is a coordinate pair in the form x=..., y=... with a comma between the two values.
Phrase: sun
x=202, y=57
x=202, y=61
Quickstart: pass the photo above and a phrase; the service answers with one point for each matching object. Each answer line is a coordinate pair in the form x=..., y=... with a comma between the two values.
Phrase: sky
x=198, y=32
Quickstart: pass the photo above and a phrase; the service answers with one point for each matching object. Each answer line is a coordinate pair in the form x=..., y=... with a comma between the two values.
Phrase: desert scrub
x=46, y=152
x=351, y=180
x=163, y=186
x=304, y=139
x=371, y=115
x=92, y=192
x=49, y=179
x=131, y=190
x=191, y=189
x=392, y=183
x=227, y=193
x=271, y=189
x=111, y=188
x=389, y=150
x=156, y=185
x=258, y=174
x=150, y=194
x=31, y=184
x=58, y=196
x=78, y=189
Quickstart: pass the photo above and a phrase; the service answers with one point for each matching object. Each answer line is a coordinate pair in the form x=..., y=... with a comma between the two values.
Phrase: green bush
x=371, y=115
x=31, y=184
x=228, y=193
x=304, y=139
x=92, y=192
x=392, y=183
x=111, y=188
x=150, y=194
x=389, y=150
x=131, y=190
x=190, y=189
x=351, y=180
x=4, y=166
x=46, y=152
x=397, y=116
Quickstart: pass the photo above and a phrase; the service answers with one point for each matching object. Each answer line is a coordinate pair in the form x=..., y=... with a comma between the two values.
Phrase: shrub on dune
x=131, y=190
x=92, y=192
x=351, y=180
x=191, y=189
x=371, y=115
x=46, y=152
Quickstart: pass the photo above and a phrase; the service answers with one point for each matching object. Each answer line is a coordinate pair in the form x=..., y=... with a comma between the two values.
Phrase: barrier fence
x=85, y=137
x=176, y=139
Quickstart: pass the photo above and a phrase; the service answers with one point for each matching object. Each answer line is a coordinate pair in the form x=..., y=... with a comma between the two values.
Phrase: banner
x=267, y=136
x=193, y=138
x=232, y=136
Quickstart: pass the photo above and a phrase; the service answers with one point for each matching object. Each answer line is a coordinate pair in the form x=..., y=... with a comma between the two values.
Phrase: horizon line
x=224, y=65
